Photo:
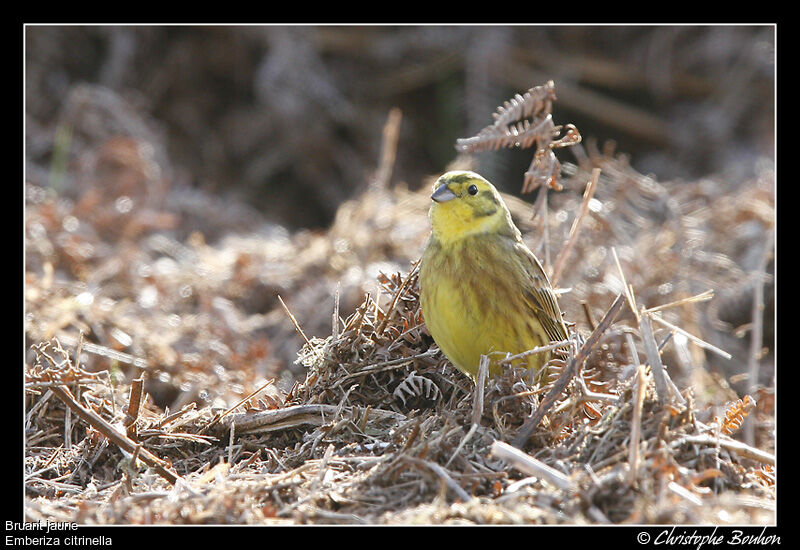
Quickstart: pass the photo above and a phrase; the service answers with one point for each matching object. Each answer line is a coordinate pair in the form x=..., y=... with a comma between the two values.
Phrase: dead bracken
x=157, y=392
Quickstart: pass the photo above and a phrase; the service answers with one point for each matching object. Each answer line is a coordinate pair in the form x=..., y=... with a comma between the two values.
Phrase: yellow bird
x=482, y=290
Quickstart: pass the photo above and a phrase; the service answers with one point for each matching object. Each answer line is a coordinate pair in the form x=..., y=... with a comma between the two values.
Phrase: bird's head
x=464, y=204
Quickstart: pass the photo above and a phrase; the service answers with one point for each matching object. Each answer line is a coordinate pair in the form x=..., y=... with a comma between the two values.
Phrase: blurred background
x=180, y=178
x=289, y=118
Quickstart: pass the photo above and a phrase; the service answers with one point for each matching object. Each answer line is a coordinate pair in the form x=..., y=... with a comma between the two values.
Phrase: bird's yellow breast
x=456, y=326
x=473, y=310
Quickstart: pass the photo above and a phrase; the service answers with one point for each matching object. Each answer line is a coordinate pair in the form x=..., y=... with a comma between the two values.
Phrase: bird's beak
x=443, y=194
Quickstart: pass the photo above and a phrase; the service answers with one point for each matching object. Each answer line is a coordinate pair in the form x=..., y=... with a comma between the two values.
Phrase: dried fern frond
x=538, y=99
x=735, y=414
x=520, y=122
x=416, y=386
x=520, y=134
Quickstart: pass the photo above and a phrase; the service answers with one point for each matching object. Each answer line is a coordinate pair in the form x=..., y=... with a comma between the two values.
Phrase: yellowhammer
x=482, y=291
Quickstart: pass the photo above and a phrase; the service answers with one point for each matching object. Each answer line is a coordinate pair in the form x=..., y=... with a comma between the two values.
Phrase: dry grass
x=374, y=425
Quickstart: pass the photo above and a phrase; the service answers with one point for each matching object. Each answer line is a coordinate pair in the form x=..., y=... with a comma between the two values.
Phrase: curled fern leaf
x=416, y=386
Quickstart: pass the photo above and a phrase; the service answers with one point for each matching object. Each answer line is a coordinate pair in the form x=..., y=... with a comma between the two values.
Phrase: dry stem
x=120, y=440
x=569, y=371
x=576, y=226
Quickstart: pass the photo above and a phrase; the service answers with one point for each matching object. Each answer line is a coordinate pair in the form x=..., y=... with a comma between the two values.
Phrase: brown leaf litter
x=375, y=424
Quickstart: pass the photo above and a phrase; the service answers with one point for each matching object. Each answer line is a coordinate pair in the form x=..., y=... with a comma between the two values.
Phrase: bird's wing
x=539, y=295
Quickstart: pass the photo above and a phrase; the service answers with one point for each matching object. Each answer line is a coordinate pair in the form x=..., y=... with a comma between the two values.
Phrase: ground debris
x=369, y=423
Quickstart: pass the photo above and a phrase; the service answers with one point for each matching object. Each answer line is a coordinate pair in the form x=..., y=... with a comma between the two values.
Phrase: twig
x=540, y=349
x=323, y=468
x=78, y=350
x=67, y=426
x=38, y=405
x=47, y=466
x=653, y=357
x=576, y=226
x=395, y=298
x=477, y=405
x=252, y=458
x=738, y=447
x=546, y=230
x=135, y=454
x=702, y=343
x=480, y=385
x=569, y=371
x=294, y=321
x=632, y=347
x=442, y=473
x=589, y=395
x=635, y=361
x=48, y=383
x=335, y=320
x=231, y=439
x=517, y=485
x=636, y=425
x=702, y=297
x=684, y=493
x=134, y=403
x=53, y=456
x=297, y=415
x=104, y=351
x=312, y=511
x=676, y=393
x=231, y=409
x=174, y=416
x=757, y=332
x=342, y=401
x=626, y=287
x=250, y=396
x=123, y=442
x=531, y=466
x=589, y=317
x=391, y=132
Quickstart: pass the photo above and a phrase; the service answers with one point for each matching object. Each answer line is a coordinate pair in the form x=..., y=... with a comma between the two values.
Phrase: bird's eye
x=472, y=189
